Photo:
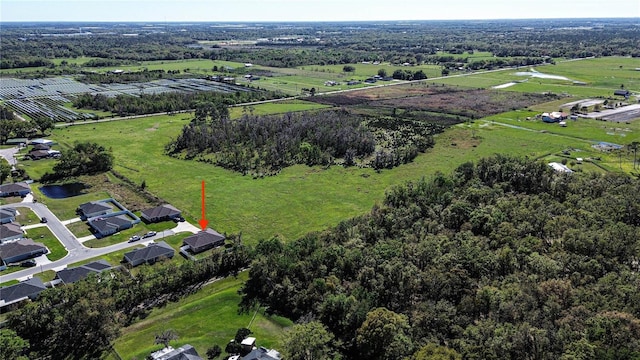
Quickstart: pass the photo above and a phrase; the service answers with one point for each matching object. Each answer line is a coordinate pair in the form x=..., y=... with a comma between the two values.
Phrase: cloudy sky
x=308, y=10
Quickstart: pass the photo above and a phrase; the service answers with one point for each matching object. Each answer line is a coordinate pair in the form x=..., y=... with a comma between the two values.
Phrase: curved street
x=76, y=250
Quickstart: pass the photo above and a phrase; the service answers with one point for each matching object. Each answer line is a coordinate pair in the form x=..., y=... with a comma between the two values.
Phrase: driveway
x=76, y=251
x=9, y=154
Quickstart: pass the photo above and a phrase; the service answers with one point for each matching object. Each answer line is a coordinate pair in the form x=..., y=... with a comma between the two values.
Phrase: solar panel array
x=46, y=97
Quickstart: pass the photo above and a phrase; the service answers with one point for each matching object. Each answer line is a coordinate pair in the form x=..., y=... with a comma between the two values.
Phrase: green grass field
x=45, y=236
x=203, y=319
x=601, y=77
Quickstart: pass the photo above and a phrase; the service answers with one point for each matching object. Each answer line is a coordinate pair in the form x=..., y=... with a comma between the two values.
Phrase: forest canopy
x=503, y=259
x=263, y=145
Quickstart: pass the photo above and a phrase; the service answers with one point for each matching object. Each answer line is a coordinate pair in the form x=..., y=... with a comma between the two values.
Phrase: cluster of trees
x=80, y=320
x=263, y=145
x=503, y=259
x=169, y=102
x=85, y=158
x=267, y=144
x=409, y=75
x=11, y=127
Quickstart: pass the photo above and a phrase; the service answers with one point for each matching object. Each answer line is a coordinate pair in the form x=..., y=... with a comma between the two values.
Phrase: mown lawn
x=204, y=319
x=45, y=236
x=26, y=216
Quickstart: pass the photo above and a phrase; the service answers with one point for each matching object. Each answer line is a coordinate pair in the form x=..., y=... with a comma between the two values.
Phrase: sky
x=307, y=10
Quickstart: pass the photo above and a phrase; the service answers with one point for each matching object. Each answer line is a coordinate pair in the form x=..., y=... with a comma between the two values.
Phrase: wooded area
x=503, y=259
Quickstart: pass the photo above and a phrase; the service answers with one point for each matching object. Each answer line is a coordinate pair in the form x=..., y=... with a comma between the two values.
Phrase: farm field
x=601, y=77
x=203, y=319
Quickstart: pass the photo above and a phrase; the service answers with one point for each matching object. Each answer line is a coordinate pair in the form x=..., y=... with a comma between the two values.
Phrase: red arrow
x=203, y=222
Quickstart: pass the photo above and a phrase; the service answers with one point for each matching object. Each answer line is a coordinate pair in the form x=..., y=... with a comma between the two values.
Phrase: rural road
x=76, y=251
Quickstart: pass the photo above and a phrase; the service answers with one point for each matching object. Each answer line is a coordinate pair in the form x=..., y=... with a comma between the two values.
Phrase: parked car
x=134, y=238
x=28, y=263
x=149, y=234
x=44, y=220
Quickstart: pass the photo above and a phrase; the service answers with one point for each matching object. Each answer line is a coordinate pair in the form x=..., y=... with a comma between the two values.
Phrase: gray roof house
x=38, y=154
x=78, y=273
x=10, y=231
x=150, y=254
x=159, y=213
x=25, y=290
x=93, y=208
x=262, y=353
x=7, y=215
x=110, y=225
x=185, y=352
x=14, y=189
x=22, y=249
x=204, y=240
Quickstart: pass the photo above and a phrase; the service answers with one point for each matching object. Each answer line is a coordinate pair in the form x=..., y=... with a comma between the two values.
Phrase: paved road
x=76, y=251
x=9, y=154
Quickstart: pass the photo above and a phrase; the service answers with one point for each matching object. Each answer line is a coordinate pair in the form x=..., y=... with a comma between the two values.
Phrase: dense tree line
x=169, y=102
x=80, y=320
x=528, y=41
x=502, y=259
x=130, y=76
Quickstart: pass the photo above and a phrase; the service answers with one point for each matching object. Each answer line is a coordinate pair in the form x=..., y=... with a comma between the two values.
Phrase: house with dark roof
x=7, y=215
x=25, y=290
x=22, y=249
x=185, y=352
x=262, y=353
x=10, y=231
x=204, y=240
x=38, y=154
x=78, y=273
x=160, y=213
x=150, y=254
x=93, y=209
x=105, y=226
x=15, y=189
x=622, y=92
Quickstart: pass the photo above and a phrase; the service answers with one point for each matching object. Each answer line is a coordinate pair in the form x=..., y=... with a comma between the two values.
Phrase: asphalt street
x=76, y=250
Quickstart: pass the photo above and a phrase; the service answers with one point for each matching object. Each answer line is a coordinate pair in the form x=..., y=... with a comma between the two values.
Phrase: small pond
x=62, y=191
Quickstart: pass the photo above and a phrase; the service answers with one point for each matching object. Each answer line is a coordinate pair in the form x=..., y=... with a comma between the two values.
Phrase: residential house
x=262, y=353
x=38, y=154
x=554, y=117
x=41, y=147
x=93, y=209
x=248, y=344
x=41, y=142
x=10, y=231
x=160, y=213
x=560, y=167
x=109, y=225
x=78, y=273
x=15, y=251
x=185, y=352
x=15, y=189
x=621, y=92
x=28, y=289
x=7, y=215
x=150, y=254
x=204, y=240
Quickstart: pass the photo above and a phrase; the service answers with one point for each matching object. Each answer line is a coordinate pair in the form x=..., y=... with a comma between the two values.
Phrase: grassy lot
x=275, y=108
x=602, y=76
x=66, y=208
x=79, y=229
x=45, y=236
x=203, y=319
x=26, y=216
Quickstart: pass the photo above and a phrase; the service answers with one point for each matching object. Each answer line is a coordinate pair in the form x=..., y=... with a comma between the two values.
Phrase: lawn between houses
x=204, y=319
